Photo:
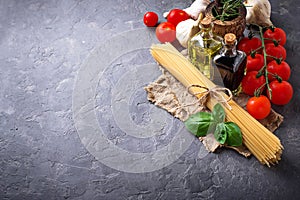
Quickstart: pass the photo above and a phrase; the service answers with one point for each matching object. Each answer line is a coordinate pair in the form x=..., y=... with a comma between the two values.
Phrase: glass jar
x=202, y=48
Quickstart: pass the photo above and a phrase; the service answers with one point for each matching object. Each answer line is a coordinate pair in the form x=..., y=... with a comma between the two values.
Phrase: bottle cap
x=206, y=22
x=230, y=38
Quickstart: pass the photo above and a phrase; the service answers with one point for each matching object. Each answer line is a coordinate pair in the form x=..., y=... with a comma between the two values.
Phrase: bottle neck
x=206, y=33
x=229, y=49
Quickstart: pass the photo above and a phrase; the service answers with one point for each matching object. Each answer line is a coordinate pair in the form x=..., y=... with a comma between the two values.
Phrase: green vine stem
x=257, y=92
x=253, y=52
x=265, y=61
x=278, y=60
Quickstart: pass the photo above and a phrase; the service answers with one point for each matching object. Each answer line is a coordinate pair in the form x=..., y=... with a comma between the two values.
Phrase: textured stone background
x=43, y=46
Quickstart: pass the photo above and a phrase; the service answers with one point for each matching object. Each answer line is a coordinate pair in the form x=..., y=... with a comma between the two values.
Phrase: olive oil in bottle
x=231, y=64
x=202, y=48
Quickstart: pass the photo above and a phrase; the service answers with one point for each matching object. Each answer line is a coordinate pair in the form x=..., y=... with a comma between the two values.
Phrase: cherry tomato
x=150, y=19
x=259, y=107
x=250, y=83
x=278, y=34
x=166, y=32
x=176, y=16
x=249, y=44
x=283, y=70
x=282, y=92
x=276, y=51
x=256, y=63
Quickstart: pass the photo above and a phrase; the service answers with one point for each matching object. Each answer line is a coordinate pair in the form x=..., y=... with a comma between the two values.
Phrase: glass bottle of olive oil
x=231, y=64
x=202, y=48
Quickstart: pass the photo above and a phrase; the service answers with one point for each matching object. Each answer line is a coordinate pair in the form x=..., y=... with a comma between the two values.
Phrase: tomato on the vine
x=249, y=44
x=275, y=34
x=281, y=69
x=250, y=83
x=282, y=92
x=166, y=32
x=275, y=51
x=150, y=19
x=259, y=107
x=176, y=16
x=254, y=63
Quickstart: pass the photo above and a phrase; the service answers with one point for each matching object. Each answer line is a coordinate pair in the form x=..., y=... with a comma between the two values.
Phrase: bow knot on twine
x=215, y=92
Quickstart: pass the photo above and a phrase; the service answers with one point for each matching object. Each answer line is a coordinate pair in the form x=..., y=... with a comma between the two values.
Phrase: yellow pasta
x=262, y=143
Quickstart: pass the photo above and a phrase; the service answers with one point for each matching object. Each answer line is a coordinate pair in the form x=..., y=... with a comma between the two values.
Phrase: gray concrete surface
x=50, y=48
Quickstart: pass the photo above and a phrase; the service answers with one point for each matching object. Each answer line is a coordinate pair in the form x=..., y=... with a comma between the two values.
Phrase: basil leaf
x=200, y=123
x=218, y=113
x=234, y=134
x=221, y=133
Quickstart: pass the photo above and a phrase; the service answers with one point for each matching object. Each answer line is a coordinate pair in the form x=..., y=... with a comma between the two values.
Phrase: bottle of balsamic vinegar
x=202, y=48
x=231, y=64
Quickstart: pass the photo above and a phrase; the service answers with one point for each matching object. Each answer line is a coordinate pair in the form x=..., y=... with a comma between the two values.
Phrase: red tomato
x=276, y=51
x=250, y=83
x=259, y=107
x=166, y=32
x=150, y=19
x=283, y=70
x=176, y=16
x=282, y=92
x=256, y=63
x=278, y=34
x=247, y=45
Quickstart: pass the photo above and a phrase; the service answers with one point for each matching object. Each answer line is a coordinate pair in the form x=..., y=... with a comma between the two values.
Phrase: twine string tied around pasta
x=215, y=92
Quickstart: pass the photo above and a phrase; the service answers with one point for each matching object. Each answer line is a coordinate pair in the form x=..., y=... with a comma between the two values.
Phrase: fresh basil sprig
x=202, y=123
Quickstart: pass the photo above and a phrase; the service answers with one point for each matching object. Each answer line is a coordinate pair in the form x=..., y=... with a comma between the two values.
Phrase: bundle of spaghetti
x=262, y=143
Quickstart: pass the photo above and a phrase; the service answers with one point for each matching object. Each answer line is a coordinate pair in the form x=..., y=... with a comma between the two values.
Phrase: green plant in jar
x=227, y=10
x=228, y=16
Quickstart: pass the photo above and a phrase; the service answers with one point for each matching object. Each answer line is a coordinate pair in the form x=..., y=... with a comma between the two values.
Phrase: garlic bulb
x=195, y=9
x=185, y=30
x=258, y=12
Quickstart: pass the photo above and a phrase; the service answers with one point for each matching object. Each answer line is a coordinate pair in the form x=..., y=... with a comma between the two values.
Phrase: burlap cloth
x=168, y=93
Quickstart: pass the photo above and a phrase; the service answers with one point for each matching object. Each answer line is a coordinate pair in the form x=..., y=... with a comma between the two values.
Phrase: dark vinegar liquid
x=231, y=69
